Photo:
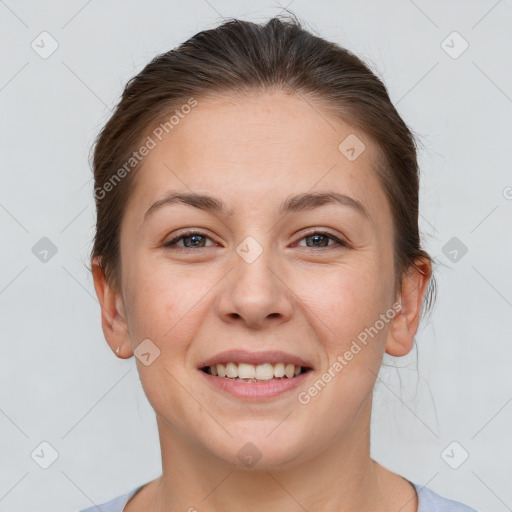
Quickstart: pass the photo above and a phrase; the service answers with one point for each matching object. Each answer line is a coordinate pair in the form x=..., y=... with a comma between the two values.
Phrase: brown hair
x=242, y=57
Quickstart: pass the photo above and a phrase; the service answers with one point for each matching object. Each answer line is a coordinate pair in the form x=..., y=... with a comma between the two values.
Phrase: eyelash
x=189, y=234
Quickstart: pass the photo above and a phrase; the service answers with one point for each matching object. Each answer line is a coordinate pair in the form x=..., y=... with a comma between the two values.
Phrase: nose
x=255, y=293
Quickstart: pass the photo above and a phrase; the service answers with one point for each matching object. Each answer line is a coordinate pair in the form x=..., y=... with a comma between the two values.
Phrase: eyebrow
x=296, y=203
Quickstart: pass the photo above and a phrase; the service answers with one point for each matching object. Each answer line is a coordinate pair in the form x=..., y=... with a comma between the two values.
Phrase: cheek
x=166, y=309
x=350, y=304
x=167, y=304
x=151, y=307
x=347, y=297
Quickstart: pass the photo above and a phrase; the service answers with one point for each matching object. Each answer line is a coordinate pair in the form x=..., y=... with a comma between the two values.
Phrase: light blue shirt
x=428, y=501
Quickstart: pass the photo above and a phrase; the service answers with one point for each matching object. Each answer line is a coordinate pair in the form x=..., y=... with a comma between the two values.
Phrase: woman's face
x=254, y=278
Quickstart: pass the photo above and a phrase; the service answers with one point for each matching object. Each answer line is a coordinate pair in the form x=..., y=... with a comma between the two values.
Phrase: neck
x=342, y=477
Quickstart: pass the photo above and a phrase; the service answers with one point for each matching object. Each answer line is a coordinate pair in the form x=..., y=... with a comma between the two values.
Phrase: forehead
x=254, y=150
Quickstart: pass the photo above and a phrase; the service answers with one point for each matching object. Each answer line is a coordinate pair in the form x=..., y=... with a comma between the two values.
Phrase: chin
x=262, y=452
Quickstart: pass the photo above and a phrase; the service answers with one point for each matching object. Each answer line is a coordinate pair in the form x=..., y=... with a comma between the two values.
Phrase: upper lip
x=244, y=356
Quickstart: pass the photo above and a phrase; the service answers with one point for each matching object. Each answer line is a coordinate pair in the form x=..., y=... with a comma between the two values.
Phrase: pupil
x=316, y=238
x=190, y=238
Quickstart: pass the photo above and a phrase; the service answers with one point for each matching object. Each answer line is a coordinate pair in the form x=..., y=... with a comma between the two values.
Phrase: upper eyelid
x=188, y=233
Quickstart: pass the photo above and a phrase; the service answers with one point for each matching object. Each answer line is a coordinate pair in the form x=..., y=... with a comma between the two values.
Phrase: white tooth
x=264, y=371
x=246, y=371
x=221, y=370
x=279, y=370
x=289, y=370
x=232, y=370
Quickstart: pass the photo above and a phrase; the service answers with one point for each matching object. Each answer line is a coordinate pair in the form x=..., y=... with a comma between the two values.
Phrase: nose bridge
x=252, y=263
x=255, y=291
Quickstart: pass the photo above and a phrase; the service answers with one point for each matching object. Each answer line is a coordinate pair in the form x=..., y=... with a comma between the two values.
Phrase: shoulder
x=429, y=501
x=114, y=505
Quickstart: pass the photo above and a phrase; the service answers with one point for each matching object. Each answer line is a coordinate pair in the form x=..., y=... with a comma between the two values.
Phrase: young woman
x=257, y=250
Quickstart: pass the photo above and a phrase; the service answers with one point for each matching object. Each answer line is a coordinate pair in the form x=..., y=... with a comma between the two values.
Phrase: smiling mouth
x=245, y=372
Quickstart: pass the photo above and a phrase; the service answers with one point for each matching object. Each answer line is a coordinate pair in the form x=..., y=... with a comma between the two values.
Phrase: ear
x=404, y=325
x=113, y=317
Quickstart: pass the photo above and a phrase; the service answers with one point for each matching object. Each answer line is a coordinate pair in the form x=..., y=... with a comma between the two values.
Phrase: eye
x=191, y=240
x=196, y=240
x=321, y=239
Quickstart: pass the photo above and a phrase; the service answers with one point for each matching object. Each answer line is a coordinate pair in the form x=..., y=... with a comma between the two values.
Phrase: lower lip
x=255, y=390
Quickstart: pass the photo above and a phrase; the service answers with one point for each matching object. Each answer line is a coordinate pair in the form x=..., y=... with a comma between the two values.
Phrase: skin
x=313, y=301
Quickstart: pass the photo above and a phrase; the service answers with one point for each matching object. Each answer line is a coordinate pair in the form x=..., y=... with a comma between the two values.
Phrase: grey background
x=60, y=383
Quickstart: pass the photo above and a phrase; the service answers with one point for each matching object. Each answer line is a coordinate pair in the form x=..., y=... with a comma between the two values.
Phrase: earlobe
x=404, y=325
x=113, y=318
